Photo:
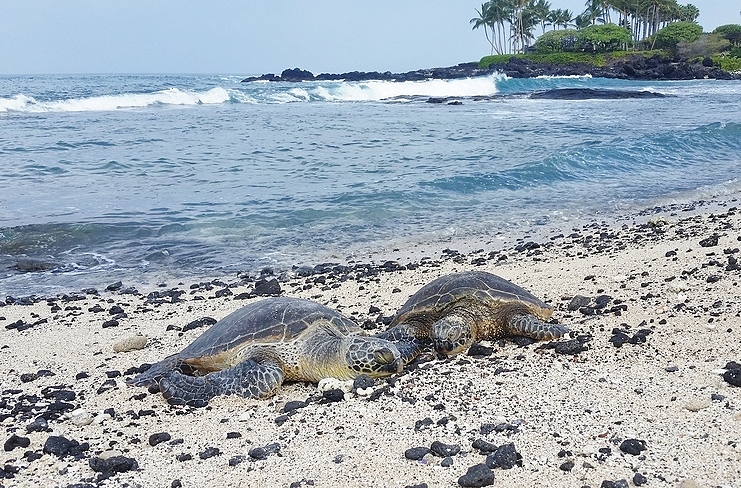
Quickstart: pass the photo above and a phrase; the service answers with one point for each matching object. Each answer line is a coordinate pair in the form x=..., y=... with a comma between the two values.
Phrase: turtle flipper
x=155, y=372
x=530, y=326
x=408, y=345
x=249, y=379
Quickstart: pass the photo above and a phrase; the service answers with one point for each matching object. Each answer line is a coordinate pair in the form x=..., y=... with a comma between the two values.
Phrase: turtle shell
x=271, y=321
x=435, y=298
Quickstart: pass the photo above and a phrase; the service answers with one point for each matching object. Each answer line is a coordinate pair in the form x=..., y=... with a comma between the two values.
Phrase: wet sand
x=657, y=409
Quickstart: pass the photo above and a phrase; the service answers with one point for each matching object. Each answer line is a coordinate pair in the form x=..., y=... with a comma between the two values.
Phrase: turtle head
x=450, y=336
x=372, y=356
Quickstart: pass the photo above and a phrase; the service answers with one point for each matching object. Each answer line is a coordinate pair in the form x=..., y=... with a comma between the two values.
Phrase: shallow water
x=151, y=178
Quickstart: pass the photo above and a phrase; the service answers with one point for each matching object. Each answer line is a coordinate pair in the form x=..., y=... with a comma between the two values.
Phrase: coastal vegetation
x=605, y=30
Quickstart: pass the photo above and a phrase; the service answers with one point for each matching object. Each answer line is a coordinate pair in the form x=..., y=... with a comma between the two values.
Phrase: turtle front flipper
x=157, y=371
x=408, y=345
x=249, y=379
x=530, y=326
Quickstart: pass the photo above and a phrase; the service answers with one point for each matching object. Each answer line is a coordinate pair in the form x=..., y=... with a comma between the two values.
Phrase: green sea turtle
x=456, y=310
x=253, y=350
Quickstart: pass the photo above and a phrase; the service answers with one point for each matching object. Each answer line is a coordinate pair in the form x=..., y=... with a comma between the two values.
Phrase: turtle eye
x=384, y=356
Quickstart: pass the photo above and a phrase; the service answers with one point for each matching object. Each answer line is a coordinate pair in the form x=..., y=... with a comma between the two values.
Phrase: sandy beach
x=655, y=411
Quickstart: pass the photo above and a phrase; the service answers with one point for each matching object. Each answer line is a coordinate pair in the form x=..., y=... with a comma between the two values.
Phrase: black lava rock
x=416, y=453
x=203, y=321
x=447, y=462
x=444, y=450
x=483, y=446
x=478, y=475
x=570, y=347
x=236, y=460
x=209, y=452
x=506, y=457
x=334, y=395
x=479, y=350
x=267, y=288
x=61, y=446
x=633, y=446
x=639, y=479
x=362, y=381
x=614, y=484
x=258, y=453
x=710, y=241
x=567, y=466
x=733, y=377
x=155, y=439
x=115, y=464
x=16, y=441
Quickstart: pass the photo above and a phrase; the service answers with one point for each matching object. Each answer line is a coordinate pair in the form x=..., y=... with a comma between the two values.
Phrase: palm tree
x=483, y=20
x=594, y=12
x=541, y=9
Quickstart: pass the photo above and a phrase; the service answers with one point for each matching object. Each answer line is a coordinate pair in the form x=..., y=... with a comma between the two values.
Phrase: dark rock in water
x=710, y=241
x=733, y=377
x=444, y=450
x=593, y=93
x=114, y=286
x=639, y=479
x=155, y=439
x=506, y=457
x=416, y=453
x=267, y=288
x=202, y=322
x=483, y=446
x=362, y=381
x=16, y=441
x=209, y=452
x=633, y=446
x=296, y=74
x=478, y=475
x=30, y=265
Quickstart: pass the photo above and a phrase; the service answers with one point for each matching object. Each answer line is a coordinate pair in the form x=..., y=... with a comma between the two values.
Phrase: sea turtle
x=456, y=310
x=254, y=349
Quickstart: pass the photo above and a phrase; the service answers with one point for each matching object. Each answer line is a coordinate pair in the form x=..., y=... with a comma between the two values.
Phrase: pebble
x=477, y=475
x=115, y=464
x=61, y=446
x=633, y=446
x=639, y=479
x=80, y=417
x=416, y=453
x=326, y=384
x=483, y=446
x=209, y=452
x=505, y=457
x=571, y=347
x=444, y=450
x=447, y=462
x=363, y=381
x=697, y=404
x=733, y=377
x=16, y=441
x=155, y=439
x=132, y=343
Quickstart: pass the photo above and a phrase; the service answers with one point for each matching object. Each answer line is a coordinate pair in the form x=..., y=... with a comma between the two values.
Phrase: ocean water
x=150, y=179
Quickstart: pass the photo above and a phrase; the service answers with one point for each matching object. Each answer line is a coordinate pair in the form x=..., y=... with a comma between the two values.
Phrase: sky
x=251, y=37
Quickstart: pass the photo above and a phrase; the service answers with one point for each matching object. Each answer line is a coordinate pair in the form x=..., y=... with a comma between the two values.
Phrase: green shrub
x=556, y=41
x=735, y=52
x=603, y=38
x=674, y=33
x=706, y=45
x=732, y=32
x=727, y=63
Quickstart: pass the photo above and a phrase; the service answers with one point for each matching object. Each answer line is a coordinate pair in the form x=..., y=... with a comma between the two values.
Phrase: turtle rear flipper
x=530, y=326
x=249, y=379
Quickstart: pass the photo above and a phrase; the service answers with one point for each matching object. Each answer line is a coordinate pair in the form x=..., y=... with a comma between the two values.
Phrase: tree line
x=510, y=25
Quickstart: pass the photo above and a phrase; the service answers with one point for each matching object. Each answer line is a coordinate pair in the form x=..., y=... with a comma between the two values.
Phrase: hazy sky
x=253, y=37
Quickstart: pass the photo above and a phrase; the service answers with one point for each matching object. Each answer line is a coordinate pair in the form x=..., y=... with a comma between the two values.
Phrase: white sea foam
x=381, y=90
x=171, y=96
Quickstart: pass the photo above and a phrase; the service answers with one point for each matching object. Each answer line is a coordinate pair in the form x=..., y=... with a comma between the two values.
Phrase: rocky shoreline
x=631, y=68
x=644, y=391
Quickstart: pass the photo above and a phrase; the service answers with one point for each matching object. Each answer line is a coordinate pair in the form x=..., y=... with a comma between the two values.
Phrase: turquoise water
x=150, y=178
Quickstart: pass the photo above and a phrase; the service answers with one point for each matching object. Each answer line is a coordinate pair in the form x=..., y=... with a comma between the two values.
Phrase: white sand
x=572, y=405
